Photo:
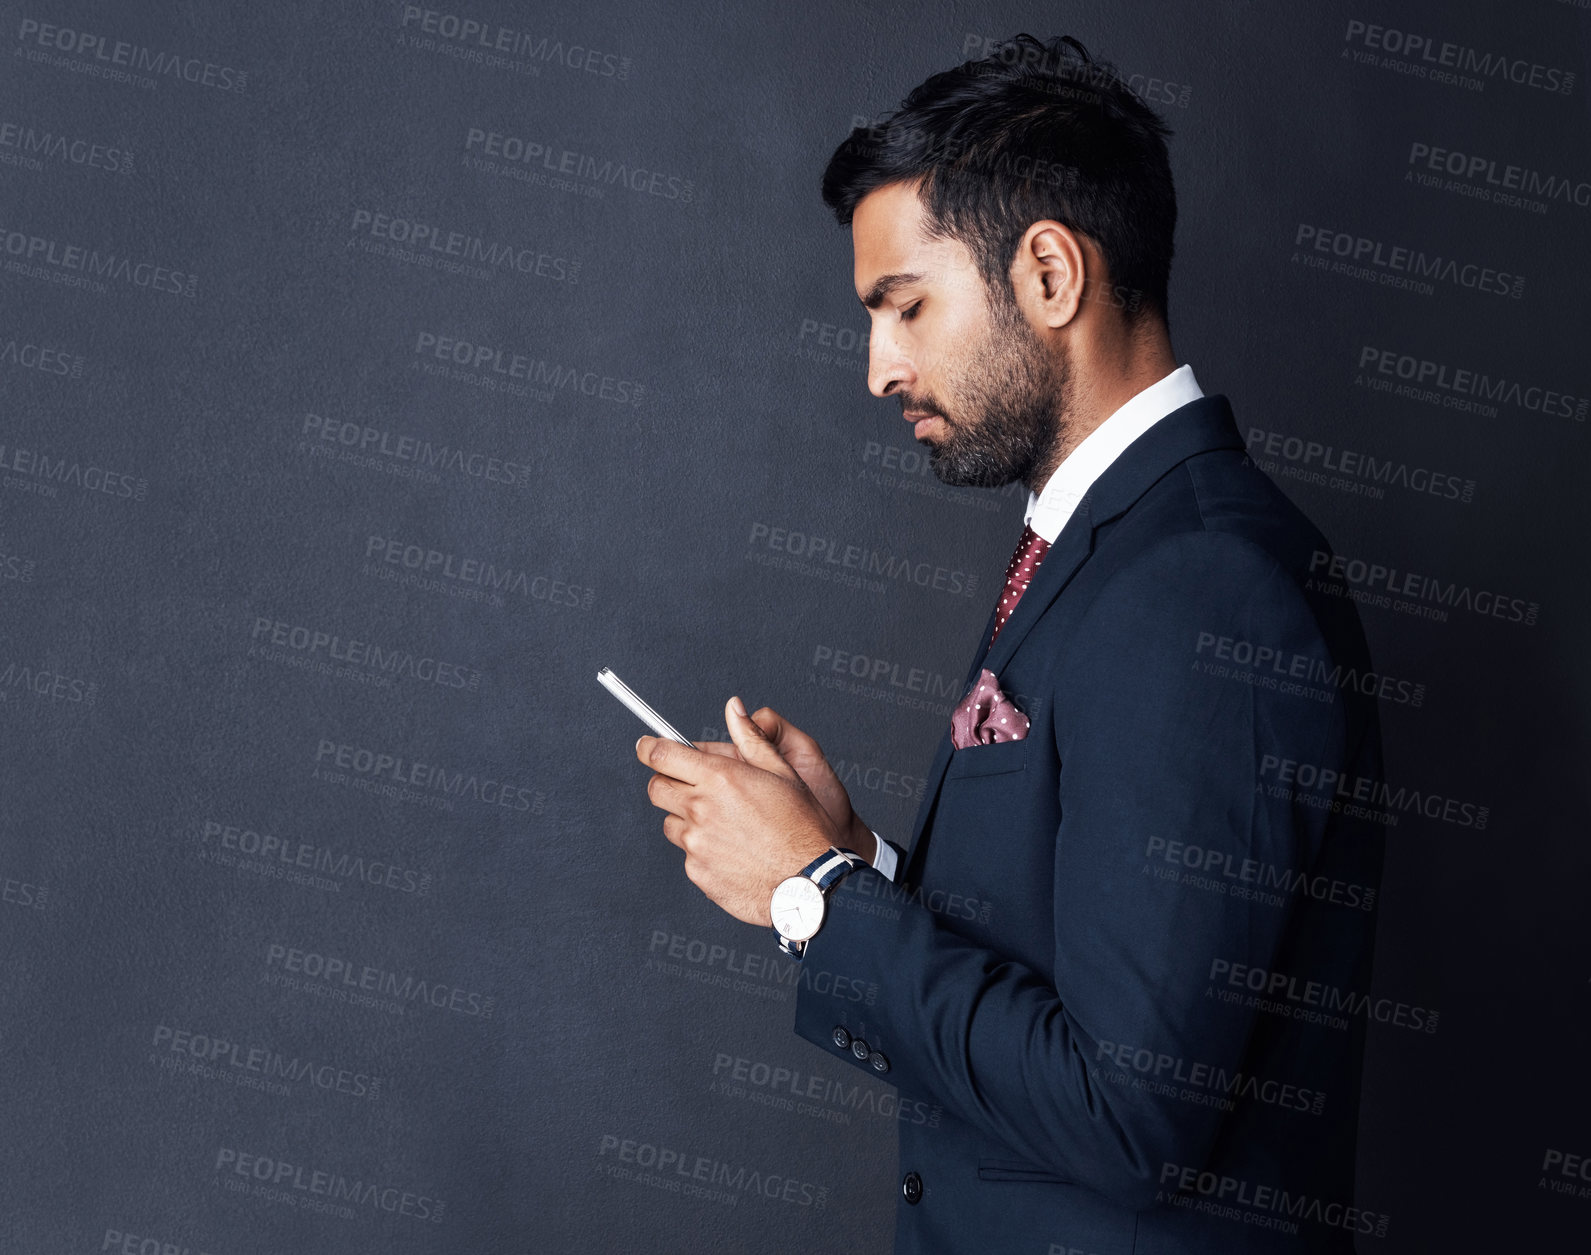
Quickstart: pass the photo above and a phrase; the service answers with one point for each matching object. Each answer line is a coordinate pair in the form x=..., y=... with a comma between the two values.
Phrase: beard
x=1010, y=407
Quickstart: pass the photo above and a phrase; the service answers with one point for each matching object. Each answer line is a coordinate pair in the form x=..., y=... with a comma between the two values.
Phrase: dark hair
x=1029, y=132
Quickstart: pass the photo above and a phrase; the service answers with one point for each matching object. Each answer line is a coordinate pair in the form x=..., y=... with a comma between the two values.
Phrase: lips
x=920, y=421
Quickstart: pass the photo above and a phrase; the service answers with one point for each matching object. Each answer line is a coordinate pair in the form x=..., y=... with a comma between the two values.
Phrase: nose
x=888, y=366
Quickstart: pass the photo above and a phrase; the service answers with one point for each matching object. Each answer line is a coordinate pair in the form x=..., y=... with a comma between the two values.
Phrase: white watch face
x=797, y=908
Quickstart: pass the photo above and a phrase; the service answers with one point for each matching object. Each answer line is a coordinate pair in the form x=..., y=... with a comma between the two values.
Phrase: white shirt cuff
x=884, y=858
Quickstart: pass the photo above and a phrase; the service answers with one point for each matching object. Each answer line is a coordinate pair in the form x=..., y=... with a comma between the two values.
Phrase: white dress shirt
x=884, y=858
x=1049, y=509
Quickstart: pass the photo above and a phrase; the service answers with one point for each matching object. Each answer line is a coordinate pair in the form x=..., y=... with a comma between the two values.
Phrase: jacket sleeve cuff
x=838, y=987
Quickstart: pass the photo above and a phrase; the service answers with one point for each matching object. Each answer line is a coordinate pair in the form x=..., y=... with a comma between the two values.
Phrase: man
x=1147, y=1037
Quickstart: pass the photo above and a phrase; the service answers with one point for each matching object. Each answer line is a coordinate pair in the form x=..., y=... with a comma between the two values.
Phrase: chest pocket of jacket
x=993, y=840
x=988, y=760
x=1017, y=1170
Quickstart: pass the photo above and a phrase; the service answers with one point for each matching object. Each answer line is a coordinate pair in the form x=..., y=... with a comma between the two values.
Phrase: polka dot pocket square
x=986, y=716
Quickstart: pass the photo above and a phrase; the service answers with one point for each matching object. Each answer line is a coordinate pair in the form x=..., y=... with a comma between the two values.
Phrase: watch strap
x=828, y=868
x=825, y=871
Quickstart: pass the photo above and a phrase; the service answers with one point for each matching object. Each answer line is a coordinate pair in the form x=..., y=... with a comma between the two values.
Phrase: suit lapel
x=1197, y=427
x=1060, y=563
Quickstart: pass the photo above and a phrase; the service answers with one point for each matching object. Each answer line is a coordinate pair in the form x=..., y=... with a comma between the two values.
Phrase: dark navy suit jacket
x=1128, y=956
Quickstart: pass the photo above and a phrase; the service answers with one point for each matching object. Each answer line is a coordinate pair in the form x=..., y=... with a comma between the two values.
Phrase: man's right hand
x=806, y=758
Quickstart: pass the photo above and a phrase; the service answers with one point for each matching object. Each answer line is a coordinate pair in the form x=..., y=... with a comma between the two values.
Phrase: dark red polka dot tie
x=1030, y=551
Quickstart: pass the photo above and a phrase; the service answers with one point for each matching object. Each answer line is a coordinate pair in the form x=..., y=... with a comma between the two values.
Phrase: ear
x=1051, y=271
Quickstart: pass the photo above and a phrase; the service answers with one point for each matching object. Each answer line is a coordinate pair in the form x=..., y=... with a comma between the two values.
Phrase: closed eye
x=907, y=315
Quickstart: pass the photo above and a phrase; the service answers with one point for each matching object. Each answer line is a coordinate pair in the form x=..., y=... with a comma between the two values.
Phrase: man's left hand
x=744, y=824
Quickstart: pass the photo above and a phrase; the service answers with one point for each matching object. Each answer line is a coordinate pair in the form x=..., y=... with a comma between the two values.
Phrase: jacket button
x=842, y=1039
x=860, y=1048
x=879, y=1061
x=911, y=1186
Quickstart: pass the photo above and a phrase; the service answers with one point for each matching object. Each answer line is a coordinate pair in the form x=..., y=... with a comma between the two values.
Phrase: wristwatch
x=800, y=901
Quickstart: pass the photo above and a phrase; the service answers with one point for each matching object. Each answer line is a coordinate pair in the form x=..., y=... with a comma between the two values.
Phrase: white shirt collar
x=1049, y=510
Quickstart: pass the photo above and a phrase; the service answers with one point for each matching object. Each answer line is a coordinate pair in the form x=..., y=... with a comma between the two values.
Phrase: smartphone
x=646, y=714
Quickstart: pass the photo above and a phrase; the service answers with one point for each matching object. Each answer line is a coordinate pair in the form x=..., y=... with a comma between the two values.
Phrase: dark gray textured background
x=133, y=713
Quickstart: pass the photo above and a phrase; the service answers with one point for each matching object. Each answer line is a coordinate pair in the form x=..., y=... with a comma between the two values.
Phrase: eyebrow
x=885, y=284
